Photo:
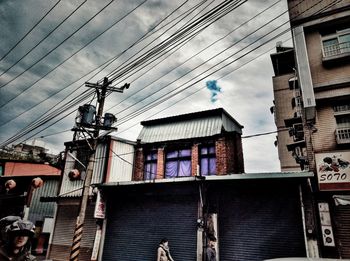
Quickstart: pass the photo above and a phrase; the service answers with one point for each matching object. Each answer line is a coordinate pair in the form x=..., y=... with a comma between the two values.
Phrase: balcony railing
x=336, y=49
x=342, y=135
x=341, y=109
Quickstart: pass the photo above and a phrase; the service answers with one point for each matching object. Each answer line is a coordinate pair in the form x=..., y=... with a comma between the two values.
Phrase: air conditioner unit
x=298, y=133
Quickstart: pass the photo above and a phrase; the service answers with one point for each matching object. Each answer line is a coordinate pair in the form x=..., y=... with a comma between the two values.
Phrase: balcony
x=336, y=52
x=343, y=135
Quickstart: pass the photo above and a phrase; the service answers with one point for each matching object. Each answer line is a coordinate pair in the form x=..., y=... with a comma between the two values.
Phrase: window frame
x=336, y=36
x=152, y=161
x=177, y=159
x=209, y=155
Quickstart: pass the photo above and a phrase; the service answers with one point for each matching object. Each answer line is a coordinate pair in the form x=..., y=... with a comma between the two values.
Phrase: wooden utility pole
x=101, y=95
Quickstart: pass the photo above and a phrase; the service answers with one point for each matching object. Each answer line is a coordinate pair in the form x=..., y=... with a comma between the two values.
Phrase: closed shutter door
x=64, y=231
x=260, y=225
x=342, y=223
x=135, y=227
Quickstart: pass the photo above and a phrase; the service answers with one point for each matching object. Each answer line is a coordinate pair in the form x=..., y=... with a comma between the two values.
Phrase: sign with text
x=100, y=207
x=333, y=170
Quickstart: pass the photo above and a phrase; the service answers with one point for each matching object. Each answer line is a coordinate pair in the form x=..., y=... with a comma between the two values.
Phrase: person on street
x=17, y=246
x=211, y=251
x=163, y=252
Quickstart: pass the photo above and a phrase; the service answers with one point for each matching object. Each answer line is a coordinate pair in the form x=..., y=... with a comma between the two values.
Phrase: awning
x=341, y=200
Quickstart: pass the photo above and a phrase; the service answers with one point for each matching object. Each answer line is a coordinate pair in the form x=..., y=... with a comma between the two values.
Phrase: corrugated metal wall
x=121, y=166
x=64, y=230
x=39, y=210
x=73, y=188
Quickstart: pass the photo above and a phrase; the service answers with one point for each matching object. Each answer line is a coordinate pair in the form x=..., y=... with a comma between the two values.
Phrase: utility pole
x=101, y=90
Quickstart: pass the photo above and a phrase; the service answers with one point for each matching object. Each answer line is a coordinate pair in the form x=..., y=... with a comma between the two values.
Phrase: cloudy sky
x=70, y=42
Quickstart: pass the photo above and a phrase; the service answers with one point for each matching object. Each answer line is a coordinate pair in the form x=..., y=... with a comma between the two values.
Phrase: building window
x=337, y=43
x=343, y=108
x=207, y=160
x=343, y=121
x=150, y=170
x=178, y=163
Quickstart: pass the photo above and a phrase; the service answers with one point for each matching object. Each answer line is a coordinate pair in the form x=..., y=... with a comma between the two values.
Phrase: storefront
x=67, y=212
x=259, y=216
x=258, y=220
x=138, y=218
x=333, y=175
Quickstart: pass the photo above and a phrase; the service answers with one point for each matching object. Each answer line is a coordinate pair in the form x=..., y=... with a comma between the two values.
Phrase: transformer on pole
x=88, y=122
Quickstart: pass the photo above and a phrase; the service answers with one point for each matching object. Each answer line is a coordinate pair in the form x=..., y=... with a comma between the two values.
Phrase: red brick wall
x=160, y=164
x=221, y=160
x=229, y=158
x=229, y=154
x=139, y=164
x=194, y=159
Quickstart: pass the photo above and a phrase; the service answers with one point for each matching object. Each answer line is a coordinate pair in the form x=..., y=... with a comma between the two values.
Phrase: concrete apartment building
x=312, y=110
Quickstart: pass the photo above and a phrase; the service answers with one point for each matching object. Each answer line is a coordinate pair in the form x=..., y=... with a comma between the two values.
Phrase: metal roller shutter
x=64, y=231
x=258, y=225
x=135, y=227
x=342, y=222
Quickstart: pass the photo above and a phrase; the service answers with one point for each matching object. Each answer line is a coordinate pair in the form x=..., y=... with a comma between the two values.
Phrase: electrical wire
x=35, y=25
x=204, y=62
x=43, y=39
x=64, y=40
x=166, y=98
x=179, y=43
x=109, y=61
x=226, y=7
x=103, y=65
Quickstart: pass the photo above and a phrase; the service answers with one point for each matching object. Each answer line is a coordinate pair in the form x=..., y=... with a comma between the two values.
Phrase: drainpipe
x=304, y=222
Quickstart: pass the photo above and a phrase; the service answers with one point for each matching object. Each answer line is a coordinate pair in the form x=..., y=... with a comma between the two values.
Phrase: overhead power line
x=199, y=23
x=166, y=98
x=64, y=40
x=43, y=39
x=169, y=95
x=35, y=25
x=103, y=65
x=207, y=60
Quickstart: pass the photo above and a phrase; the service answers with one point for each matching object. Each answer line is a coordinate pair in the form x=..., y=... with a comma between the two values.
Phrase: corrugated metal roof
x=196, y=125
x=18, y=169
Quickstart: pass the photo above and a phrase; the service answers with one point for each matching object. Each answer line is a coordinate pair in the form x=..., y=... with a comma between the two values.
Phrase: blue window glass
x=207, y=160
x=150, y=166
x=178, y=163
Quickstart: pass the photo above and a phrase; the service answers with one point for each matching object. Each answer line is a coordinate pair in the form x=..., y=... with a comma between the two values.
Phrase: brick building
x=313, y=113
x=189, y=185
x=202, y=143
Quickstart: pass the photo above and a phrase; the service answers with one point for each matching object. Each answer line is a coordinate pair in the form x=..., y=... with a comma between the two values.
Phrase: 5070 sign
x=333, y=170
x=333, y=177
